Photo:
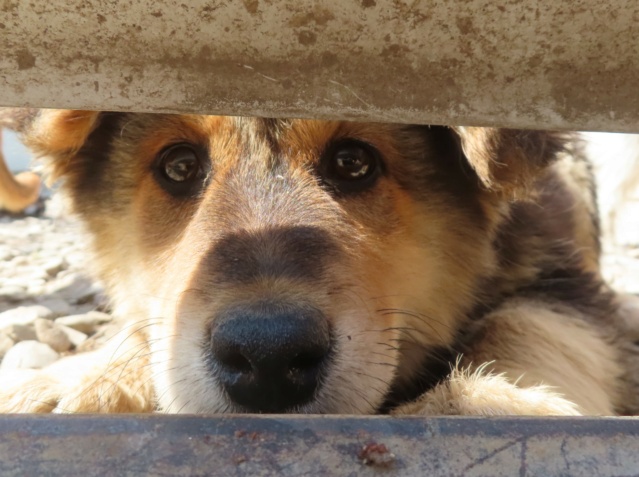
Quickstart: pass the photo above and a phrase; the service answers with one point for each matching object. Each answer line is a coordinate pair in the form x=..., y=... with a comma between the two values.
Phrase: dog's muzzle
x=270, y=359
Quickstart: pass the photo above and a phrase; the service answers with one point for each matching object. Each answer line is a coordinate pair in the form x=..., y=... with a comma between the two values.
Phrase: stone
x=53, y=266
x=50, y=333
x=30, y=272
x=29, y=355
x=76, y=258
x=6, y=344
x=19, y=260
x=24, y=315
x=20, y=332
x=13, y=293
x=74, y=288
x=76, y=337
x=35, y=290
x=86, y=323
x=57, y=305
x=6, y=253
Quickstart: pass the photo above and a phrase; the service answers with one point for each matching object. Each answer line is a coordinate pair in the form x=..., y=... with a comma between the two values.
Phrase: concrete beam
x=526, y=63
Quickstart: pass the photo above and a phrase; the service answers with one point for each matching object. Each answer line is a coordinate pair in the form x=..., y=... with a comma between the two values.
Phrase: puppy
x=300, y=266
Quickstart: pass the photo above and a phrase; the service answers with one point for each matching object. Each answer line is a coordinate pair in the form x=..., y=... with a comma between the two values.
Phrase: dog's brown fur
x=465, y=280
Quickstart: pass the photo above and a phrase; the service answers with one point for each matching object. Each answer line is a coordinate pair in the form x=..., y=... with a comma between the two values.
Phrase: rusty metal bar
x=323, y=446
x=529, y=63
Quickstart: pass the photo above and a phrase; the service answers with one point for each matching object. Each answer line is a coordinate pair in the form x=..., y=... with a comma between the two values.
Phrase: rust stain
x=318, y=16
x=9, y=6
x=25, y=59
x=252, y=6
x=376, y=455
x=306, y=37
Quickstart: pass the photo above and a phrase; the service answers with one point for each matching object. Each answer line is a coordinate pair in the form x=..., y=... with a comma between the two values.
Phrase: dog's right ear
x=56, y=134
x=60, y=132
x=50, y=131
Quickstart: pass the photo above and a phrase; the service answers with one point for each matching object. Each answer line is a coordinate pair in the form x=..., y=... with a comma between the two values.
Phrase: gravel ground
x=48, y=305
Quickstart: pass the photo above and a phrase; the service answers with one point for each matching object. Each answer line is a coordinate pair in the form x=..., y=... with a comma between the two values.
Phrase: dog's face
x=286, y=265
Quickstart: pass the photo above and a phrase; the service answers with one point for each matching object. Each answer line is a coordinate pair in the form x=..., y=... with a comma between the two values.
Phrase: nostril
x=307, y=361
x=235, y=362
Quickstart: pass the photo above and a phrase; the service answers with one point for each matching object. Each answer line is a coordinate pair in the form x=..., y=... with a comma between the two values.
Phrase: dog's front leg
x=532, y=359
x=480, y=393
x=113, y=379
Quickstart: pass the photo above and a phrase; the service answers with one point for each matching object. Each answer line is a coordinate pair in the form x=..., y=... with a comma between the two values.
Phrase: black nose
x=270, y=360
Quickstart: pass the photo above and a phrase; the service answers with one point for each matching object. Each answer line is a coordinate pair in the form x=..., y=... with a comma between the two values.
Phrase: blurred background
x=17, y=156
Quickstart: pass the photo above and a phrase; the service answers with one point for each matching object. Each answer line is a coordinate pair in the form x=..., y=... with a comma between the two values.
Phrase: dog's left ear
x=507, y=161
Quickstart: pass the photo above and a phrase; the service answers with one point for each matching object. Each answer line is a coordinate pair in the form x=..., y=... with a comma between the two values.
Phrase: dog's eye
x=180, y=163
x=181, y=169
x=351, y=165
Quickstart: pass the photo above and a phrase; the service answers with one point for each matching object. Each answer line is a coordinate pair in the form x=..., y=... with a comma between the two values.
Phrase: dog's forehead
x=287, y=137
x=282, y=136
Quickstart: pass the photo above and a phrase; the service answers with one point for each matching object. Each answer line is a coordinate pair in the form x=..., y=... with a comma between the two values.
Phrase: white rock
x=13, y=293
x=76, y=258
x=76, y=337
x=19, y=260
x=30, y=272
x=50, y=333
x=6, y=344
x=35, y=290
x=13, y=281
x=86, y=323
x=73, y=287
x=24, y=315
x=57, y=305
x=20, y=332
x=6, y=253
x=29, y=355
x=53, y=266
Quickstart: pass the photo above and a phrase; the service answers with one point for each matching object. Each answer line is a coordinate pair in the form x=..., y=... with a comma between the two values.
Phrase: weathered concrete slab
x=525, y=63
x=320, y=445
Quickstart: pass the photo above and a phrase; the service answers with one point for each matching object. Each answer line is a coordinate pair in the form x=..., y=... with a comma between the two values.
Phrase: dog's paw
x=479, y=394
x=28, y=391
x=70, y=386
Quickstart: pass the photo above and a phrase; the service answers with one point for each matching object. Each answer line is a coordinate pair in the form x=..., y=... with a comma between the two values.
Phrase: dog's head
x=288, y=265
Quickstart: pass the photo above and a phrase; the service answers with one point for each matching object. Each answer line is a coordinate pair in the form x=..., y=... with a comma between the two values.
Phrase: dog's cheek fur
x=429, y=230
x=431, y=273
